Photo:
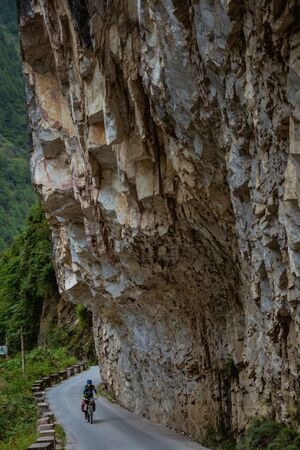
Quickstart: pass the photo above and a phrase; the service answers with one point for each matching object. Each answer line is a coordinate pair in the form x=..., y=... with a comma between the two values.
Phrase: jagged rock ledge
x=165, y=147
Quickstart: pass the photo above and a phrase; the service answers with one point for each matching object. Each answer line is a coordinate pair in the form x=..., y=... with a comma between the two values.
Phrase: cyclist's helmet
x=89, y=382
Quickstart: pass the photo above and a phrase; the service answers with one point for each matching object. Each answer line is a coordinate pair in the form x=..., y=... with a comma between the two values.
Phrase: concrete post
x=43, y=407
x=41, y=446
x=54, y=378
x=46, y=426
x=47, y=433
x=36, y=388
x=47, y=381
x=49, y=415
x=45, y=439
x=62, y=374
x=70, y=371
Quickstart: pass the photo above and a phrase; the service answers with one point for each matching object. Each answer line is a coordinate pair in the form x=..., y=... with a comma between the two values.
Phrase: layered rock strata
x=165, y=147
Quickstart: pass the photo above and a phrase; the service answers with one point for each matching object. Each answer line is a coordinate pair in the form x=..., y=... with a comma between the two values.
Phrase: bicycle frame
x=89, y=410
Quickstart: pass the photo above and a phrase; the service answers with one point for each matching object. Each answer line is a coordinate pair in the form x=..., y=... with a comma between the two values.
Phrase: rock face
x=166, y=143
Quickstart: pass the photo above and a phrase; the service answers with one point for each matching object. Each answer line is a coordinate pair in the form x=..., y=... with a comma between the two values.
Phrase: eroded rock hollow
x=165, y=147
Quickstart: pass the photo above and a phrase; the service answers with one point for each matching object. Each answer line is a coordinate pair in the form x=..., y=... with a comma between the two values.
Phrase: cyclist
x=88, y=395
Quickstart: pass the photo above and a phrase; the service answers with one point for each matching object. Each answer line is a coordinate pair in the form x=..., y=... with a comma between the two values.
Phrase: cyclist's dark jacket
x=88, y=391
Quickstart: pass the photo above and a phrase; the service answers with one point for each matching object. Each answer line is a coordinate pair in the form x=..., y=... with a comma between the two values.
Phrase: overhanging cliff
x=166, y=142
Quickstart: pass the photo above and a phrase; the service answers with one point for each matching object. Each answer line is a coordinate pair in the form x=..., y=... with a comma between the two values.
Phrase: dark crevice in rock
x=25, y=8
x=80, y=15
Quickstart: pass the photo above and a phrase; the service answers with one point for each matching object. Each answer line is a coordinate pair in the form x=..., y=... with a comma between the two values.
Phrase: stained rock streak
x=166, y=151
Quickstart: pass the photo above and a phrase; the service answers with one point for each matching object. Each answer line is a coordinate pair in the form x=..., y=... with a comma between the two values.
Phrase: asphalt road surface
x=114, y=428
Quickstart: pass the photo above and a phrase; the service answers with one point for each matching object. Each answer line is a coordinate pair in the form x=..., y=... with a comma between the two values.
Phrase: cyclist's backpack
x=88, y=390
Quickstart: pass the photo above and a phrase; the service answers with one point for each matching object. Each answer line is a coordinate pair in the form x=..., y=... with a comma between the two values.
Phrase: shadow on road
x=107, y=419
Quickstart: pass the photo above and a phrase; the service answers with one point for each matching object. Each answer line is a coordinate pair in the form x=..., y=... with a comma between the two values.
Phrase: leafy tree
x=16, y=193
x=26, y=275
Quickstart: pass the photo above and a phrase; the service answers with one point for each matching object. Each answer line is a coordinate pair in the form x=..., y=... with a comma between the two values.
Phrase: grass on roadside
x=106, y=394
x=18, y=412
x=20, y=442
x=218, y=441
x=262, y=434
x=269, y=435
x=60, y=437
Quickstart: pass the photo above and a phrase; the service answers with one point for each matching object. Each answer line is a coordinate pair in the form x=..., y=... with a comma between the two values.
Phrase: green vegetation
x=230, y=369
x=18, y=413
x=262, y=434
x=27, y=279
x=218, y=441
x=26, y=275
x=16, y=193
x=104, y=392
x=12, y=97
x=83, y=316
x=269, y=435
x=75, y=334
x=60, y=436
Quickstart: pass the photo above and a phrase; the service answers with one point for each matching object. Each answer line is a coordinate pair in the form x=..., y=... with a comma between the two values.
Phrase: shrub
x=26, y=275
x=17, y=408
x=265, y=434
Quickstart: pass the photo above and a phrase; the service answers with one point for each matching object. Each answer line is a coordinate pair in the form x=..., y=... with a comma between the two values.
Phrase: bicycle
x=89, y=409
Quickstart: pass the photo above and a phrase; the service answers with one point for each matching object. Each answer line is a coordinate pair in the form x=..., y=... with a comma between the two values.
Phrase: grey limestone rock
x=166, y=151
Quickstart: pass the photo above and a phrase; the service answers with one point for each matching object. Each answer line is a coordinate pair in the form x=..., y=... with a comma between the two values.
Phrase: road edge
x=46, y=422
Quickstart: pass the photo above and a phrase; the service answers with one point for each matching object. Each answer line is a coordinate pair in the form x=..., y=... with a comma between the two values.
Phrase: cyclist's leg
x=85, y=409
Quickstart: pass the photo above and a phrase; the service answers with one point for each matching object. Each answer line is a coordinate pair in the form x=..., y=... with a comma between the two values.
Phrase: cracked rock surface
x=166, y=150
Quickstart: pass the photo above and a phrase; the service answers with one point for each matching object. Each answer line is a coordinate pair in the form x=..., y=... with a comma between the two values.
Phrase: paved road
x=114, y=428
